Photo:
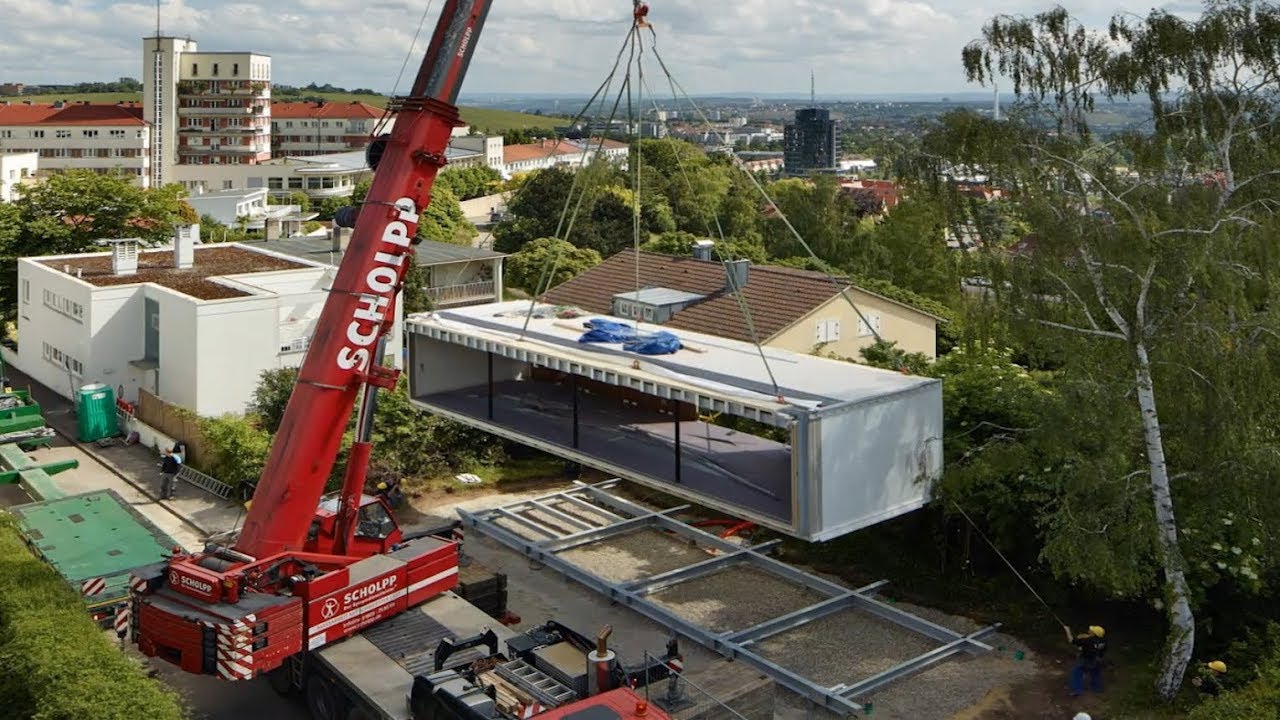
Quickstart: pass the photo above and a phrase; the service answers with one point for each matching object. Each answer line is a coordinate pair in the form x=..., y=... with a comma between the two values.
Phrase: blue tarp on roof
x=601, y=330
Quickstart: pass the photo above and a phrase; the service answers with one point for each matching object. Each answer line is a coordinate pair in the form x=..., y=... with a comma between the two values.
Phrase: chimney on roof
x=704, y=249
x=341, y=237
x=124, y=256
x=184, y=246
x=737, y=272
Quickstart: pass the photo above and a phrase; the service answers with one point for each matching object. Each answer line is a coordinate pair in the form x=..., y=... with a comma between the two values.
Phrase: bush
x=235, y=449
x=1259, y=699
x=58, y=665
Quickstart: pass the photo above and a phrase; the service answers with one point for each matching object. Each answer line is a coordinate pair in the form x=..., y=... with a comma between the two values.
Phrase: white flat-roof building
x=16, y=169
x=193, y=324
x=73, y=136
x=233, y=207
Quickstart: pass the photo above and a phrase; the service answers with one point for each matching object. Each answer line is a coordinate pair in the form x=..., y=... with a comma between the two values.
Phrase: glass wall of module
x=96, y=412
x=812, y=447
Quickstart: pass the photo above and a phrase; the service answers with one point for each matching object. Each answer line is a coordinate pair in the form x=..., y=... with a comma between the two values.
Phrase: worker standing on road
x=1209, y=680
x=1092, y=646
x=169, y=467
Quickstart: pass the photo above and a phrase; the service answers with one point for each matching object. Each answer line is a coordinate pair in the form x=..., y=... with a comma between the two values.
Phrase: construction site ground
x=997, y=686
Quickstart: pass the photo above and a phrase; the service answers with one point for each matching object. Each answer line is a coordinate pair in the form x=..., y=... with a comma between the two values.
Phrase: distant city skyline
x=855, y=47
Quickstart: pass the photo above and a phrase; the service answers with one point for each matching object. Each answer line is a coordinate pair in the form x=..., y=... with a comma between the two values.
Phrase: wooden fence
x=176, y=422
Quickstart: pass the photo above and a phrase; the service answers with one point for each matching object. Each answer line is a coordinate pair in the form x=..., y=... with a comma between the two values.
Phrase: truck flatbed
x=380, y=662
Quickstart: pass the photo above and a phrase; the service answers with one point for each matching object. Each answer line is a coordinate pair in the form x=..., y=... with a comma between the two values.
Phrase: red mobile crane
x=306, y=573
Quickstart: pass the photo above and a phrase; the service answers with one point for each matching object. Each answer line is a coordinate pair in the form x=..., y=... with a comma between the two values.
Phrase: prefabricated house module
x=812, y=447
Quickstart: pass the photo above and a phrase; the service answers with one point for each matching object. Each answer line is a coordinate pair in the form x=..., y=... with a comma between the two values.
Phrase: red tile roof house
x=796, y=310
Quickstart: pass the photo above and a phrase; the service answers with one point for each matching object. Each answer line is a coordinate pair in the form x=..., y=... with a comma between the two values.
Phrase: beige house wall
x=911, y=329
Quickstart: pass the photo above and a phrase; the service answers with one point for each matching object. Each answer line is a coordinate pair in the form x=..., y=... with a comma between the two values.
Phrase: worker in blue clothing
x=1092, y=647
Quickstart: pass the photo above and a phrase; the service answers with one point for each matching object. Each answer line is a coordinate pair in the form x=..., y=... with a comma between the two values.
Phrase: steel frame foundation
x=621, y=516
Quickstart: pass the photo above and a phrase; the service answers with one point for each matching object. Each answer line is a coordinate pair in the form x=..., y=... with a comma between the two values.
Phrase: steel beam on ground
x=791, y=620
x=563, y=517
x=526, y=522
x=818, y=694
x=662, y=581
x=568, y=542
x=916, y=623
x=569, y=497
x=914, y=665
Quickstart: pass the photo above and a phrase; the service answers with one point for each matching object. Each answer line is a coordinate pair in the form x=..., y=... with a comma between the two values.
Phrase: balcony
x=482, y=290
x=221, y=150
x=216, y=110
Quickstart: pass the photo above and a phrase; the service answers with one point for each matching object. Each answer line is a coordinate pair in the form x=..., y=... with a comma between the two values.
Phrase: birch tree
x=1152, y=246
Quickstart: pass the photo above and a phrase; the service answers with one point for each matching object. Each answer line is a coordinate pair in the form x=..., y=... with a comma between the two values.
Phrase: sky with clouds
x=546, y=46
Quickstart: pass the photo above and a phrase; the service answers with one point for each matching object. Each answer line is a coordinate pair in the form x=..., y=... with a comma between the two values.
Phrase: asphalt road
x=214, y=699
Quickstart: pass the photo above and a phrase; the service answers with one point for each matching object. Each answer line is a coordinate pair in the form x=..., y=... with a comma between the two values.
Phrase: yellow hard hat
x=1217, y=666
x=1097, y=631
x=382, y=486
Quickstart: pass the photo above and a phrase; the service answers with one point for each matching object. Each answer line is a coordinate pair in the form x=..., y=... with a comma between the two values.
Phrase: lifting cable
x=386, y=112
x=738, y=295
x=842, y=289
x=547, y=276
x=1010, y=564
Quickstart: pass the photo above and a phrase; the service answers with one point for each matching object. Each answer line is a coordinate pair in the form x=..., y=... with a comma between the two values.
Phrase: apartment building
x=300, y=129
x=205, y=108
x=16, y=169
x=65, y=136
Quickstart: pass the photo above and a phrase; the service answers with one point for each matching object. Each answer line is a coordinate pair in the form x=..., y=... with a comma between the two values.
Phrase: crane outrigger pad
x=544, y=528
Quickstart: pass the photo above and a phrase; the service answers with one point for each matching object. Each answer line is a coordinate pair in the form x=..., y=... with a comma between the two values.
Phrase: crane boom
x=342, y=358
x=305, y=572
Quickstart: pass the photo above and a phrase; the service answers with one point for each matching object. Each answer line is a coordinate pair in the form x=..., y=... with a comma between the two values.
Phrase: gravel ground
x=735, y=598
x=635, y=555
x=844, y=647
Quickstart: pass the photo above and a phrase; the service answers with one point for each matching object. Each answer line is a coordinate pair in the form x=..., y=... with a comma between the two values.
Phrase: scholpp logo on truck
x=354, y=596
x=379, y=288
x=186, y=582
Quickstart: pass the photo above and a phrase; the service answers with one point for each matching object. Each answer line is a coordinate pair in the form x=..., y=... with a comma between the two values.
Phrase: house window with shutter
x=827, y=331
x=868, y=325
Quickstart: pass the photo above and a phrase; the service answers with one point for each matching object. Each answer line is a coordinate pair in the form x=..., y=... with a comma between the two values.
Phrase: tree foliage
x=443, y=221
x=470, y=182
x=271, y=395
x=1151, y=274
x=546, y=262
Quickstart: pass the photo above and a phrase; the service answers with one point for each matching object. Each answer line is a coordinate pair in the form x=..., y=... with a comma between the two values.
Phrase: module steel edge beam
x=914, y=665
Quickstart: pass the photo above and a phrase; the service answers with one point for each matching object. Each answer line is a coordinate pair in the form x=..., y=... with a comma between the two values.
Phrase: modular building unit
x=809, y=446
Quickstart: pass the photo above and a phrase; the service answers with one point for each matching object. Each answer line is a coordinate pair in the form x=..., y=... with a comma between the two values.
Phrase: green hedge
x=55, y=663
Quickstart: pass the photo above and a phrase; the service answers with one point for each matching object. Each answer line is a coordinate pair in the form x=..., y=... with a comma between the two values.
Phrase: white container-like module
x=811, y=447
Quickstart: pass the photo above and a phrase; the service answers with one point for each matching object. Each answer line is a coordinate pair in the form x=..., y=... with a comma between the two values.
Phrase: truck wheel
x=322, y=701
x=281, y=680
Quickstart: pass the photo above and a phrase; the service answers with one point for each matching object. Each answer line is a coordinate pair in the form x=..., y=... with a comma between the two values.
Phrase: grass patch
x=507, y=477
x=481, y=118
x=57, y=664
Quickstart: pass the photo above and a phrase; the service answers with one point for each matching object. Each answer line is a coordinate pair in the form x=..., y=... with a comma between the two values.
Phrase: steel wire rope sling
x=552, y=264
x=841, y=289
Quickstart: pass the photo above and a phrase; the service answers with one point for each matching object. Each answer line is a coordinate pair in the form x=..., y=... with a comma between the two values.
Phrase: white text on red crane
x=379, y=288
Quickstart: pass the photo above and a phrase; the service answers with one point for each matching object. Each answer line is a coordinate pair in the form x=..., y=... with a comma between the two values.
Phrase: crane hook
x=641, y=11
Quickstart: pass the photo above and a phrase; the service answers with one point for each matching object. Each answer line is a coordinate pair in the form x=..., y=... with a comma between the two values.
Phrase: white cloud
x=563, y=46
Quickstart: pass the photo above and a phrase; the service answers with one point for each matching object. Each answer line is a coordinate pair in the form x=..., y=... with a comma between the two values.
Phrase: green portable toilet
x=96, y=408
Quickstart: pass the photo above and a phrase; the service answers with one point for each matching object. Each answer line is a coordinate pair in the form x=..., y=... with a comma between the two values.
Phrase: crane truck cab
x=376, y=529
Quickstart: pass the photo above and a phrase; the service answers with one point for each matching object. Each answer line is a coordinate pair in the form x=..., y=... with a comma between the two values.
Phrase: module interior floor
x=733, y=467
